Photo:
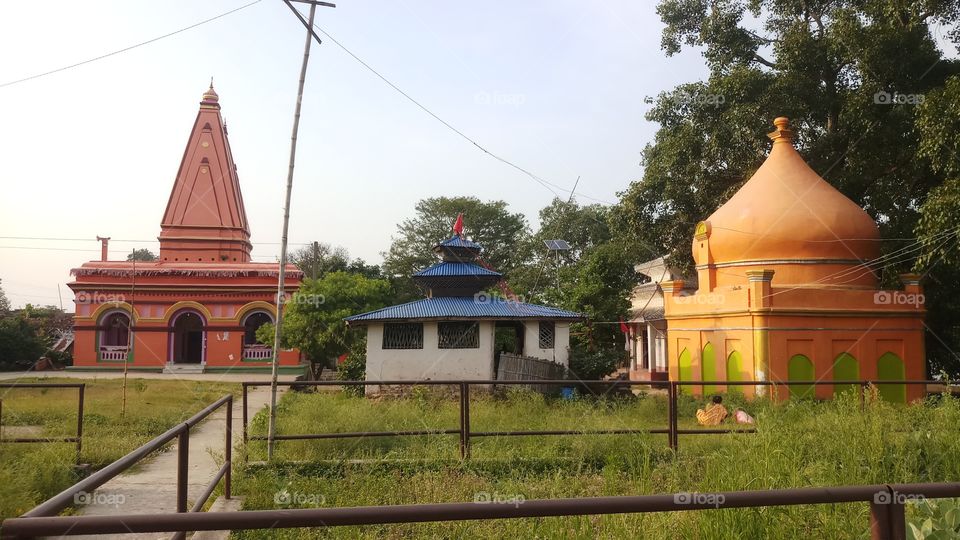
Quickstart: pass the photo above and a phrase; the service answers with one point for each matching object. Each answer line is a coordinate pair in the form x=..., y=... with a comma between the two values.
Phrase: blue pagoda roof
x=464, y=307
x=451, y=268
x=458, y=242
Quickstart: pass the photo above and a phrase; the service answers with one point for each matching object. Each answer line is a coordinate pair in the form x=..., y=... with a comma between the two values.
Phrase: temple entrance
x=187, y=339
x=508, y=338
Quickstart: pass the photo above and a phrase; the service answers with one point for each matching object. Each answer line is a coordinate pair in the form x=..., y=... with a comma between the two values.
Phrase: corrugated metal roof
x=450, y=268
x=464, y=307
x=456, y=241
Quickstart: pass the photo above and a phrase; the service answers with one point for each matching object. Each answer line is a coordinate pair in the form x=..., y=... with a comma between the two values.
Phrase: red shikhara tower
x=198, y=307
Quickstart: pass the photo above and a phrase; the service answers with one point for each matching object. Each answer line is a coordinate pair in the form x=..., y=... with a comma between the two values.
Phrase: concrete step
x=183, y=368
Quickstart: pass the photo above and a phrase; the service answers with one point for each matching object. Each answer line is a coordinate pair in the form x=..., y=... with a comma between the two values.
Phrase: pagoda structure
x=198, y=307
x=450, y=334
x=787, y=291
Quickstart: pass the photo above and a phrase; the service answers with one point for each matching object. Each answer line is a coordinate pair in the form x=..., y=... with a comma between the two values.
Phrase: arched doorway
x=114, y=336
x=708, y=368
x=253, y=348
x=685, y=372
x=890, y=368
x=800, y=368
x=845, y=368
x=187, y=340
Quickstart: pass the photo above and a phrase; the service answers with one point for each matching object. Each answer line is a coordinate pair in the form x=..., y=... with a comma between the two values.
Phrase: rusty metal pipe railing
x=65, y=498
x=886, y=503
x=78, y=438
x=673, y=431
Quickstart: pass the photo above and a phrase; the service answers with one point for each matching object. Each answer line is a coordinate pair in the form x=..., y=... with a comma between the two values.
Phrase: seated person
x=740, y=416
x=714, y=413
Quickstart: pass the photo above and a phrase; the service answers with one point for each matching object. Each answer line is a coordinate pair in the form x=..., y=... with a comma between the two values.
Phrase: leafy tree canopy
x=141, y=254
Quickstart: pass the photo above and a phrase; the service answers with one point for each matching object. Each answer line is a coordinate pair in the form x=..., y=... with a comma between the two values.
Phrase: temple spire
x=205, y=220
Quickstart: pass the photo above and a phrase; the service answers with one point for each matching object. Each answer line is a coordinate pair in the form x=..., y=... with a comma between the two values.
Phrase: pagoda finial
x=782, y=133
x=210, y=97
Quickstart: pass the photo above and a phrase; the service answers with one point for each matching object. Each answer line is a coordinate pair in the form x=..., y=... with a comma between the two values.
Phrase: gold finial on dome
x=210, y=96
x=782, y=133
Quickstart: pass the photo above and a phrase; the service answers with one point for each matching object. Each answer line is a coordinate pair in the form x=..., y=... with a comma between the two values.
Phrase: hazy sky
x=557, y=87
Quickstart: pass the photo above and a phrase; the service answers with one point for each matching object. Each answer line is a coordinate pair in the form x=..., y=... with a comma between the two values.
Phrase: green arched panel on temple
x=735, y=371
x=685, y=363
x=890, y=368
x=708, y=368
x=800, y=368
x=845, y=368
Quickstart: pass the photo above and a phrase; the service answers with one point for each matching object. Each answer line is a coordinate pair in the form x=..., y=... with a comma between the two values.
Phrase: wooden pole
x=271, y=430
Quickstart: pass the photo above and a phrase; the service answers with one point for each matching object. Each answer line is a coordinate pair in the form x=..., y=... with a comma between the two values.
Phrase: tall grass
x=31, y=473
x=797, y=444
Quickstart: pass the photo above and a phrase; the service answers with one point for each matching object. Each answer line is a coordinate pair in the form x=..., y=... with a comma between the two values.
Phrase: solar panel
x=557, y=245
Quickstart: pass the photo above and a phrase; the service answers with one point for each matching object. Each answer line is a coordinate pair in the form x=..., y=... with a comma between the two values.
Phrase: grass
x=31, y=473
x=797, y=444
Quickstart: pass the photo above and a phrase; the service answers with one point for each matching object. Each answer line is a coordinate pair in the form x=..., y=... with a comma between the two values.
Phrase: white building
x=648, y=327
x=451, y=334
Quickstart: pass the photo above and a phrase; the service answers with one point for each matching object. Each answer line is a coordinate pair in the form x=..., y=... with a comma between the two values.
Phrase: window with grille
x=548, y=334
x=403, y=336
x=458, y=335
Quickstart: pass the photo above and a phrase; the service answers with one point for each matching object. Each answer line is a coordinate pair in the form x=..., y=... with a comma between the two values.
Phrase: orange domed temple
x=786, y=291
x=198, y=307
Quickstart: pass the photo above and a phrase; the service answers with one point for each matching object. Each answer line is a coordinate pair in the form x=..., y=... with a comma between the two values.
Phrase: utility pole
x=281, y=275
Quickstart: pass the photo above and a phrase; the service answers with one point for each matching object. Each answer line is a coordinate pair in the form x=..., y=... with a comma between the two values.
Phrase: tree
x=848, y=73
x=4, y=302
x=830, y=66
x=490, y=224
x=939, y=227
x=313, y=321
x=319, y=258
x=141, y=254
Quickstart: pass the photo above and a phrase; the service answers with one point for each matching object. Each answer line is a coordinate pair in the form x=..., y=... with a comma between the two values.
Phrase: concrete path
x=150, y=487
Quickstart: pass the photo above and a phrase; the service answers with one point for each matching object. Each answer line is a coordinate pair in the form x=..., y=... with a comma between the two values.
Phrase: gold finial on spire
x=782, y=133
x=210, y=97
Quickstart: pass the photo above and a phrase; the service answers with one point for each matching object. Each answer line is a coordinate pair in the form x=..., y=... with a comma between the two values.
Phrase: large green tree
x=319, y=258
x=141, y=254
x=313, y=321
x=849, y=74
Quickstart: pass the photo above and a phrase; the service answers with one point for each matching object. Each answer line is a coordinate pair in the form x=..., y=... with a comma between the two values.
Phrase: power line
x=131, y=47
x=545, y=183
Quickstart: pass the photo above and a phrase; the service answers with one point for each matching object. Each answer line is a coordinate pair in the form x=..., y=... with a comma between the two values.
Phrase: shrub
x=592, y=365
x=354, y=368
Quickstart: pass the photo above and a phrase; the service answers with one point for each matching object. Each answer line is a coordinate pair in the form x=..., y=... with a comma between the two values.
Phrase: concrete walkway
x=151, y=486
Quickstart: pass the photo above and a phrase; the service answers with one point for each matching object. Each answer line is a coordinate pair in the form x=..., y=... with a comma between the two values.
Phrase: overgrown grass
x=31, y=473
x=797, y=444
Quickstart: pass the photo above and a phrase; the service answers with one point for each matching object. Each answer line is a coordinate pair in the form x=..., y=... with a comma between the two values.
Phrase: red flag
x=458, y=225
x=624, y=328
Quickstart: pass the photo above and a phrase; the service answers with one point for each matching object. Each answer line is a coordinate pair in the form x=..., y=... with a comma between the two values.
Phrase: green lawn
x=797, y=444
x=32, y=473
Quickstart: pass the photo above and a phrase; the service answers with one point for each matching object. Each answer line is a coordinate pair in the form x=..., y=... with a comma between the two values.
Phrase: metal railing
x=180, y=432
x=887, y=518
x=672, y=429
x=77, y=439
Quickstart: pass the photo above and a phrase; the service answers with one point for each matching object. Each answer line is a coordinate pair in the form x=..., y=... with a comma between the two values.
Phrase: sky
x=555, y=86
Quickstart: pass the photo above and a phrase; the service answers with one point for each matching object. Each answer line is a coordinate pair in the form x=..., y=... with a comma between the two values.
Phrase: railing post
x=672, y=415
x=246, y=450
x=183, y=463
x=228, y=449
x=80, y=420
x=464, y=420
x=887, y=519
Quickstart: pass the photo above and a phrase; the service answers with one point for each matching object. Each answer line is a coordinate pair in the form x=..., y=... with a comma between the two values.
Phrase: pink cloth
x=742, y=418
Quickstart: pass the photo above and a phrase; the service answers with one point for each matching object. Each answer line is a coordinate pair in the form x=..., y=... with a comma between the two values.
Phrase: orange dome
x=787, y=218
